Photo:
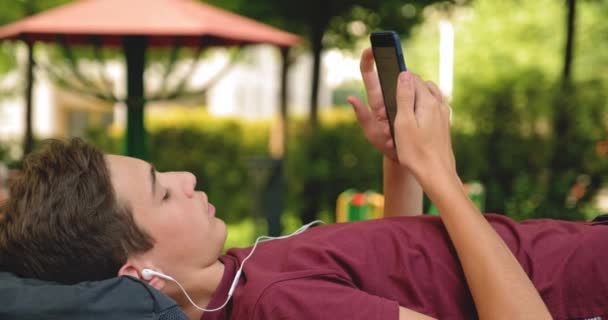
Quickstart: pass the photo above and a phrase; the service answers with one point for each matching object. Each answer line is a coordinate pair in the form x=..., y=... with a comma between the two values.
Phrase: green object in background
x=358, y=208
x=476, y=193
x=354, y=206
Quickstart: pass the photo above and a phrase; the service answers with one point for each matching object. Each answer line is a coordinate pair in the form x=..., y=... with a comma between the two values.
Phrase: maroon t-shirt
x=365, y=270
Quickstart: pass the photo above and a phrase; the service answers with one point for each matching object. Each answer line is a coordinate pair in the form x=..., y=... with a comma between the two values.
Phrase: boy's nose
x=189, y=184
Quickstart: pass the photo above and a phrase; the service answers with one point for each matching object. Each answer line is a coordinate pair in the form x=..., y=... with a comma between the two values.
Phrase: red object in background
x=161, y=21
x=602, y=148
x=358, y=199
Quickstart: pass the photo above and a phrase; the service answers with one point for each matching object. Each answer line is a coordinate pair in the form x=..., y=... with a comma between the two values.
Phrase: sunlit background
x=527, y=81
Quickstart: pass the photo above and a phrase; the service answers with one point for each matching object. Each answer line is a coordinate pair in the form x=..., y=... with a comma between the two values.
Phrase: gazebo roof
x=163, y=22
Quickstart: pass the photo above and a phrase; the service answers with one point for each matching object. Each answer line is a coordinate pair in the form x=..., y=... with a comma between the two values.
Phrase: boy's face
x=187, y=235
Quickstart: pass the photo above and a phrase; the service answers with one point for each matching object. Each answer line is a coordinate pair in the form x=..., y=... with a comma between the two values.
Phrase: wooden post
x=134, y=48
x=28, y=139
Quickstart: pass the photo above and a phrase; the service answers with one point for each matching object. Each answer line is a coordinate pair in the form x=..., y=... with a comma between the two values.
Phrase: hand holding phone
x=388, y=56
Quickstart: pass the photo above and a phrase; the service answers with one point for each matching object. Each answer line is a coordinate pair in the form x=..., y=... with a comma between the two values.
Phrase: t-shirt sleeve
x=320, y=299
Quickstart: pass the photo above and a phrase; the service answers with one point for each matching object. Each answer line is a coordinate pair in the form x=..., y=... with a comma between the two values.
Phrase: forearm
x=402, y=192
x=500, y=287
x=409, y=314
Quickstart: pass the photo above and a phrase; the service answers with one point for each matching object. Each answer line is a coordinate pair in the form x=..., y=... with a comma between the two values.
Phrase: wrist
x=402, y=192
x=394, y=169
x=392, y=163
x=436, y=175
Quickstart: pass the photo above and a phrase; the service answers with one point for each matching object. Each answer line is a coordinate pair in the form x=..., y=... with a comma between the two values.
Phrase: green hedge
x=324, y=163
x=220, y=152
x=216, y=151
x=528, y=141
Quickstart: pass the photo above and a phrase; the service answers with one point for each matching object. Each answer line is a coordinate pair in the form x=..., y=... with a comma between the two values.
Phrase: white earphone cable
x=239, y=271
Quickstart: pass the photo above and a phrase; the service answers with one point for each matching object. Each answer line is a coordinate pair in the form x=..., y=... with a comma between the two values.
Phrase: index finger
x=370, y=78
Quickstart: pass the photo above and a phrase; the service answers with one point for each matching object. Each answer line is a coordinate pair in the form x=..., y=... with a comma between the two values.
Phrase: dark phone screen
x=388, y=71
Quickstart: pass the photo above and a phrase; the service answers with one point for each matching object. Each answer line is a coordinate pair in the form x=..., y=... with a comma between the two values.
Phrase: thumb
x=364, y=115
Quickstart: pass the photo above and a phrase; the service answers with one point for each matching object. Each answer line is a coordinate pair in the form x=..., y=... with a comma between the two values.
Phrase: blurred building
x=249, y=89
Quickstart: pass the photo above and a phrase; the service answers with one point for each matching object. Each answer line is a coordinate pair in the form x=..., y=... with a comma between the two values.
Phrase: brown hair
x=63, y=222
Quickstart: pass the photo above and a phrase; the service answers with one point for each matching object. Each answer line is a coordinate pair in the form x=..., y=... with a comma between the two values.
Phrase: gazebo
x=134, y=26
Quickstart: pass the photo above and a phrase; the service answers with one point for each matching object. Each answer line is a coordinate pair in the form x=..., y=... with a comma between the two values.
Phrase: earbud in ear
x=148, y=274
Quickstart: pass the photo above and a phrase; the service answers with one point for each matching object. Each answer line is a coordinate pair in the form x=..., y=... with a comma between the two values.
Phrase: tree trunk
x=570, y=27
x=283, y=93
x=317, y=48
x=275, y=192
x=563, y=118
x=564, y=135
x=312, y=186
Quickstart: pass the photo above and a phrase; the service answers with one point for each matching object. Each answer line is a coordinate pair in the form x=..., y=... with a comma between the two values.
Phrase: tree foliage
x=14, y=10
x=533, y=141
x=325, y=24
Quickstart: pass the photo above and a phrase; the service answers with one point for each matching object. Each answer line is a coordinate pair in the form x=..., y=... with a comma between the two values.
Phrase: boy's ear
x=131, y=269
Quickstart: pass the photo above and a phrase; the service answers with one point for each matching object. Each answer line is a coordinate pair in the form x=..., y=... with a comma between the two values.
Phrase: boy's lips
x=211, y=209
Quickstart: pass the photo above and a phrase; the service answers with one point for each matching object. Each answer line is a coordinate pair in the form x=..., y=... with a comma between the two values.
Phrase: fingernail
x=403, y=77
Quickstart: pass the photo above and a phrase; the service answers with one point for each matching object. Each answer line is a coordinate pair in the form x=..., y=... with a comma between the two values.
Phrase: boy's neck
x=201, y=286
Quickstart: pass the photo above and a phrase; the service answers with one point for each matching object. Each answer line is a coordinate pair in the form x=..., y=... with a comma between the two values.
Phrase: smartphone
x=389, y=63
